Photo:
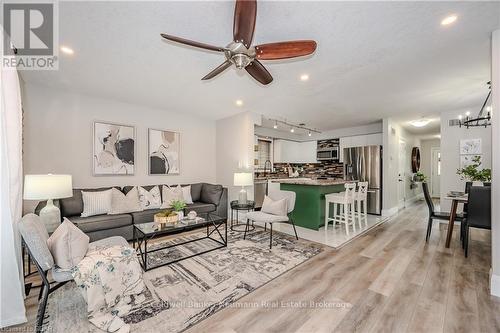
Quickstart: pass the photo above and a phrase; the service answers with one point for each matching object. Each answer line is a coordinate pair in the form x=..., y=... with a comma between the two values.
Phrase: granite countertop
x=314, y=182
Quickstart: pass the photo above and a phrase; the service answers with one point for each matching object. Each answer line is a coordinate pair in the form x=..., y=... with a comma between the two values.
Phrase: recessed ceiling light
x=275, y=124
x=67, y=50
x=304, y=77
x=449, y=20
x=420, y=122
x=292, y=130
x=239, y=102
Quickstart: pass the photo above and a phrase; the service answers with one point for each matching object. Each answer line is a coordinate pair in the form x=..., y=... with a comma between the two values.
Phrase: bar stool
x=345, y=202
x=361, y=200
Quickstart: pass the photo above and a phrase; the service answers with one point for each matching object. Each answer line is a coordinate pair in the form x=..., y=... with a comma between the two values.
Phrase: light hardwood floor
x=388, y=280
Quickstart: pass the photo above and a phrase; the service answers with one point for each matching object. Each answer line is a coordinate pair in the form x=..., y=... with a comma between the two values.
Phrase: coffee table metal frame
x=211, y=220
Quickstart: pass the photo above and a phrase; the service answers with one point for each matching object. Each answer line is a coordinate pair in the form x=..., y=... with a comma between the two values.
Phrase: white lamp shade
x=243, y=179
x=44, y=187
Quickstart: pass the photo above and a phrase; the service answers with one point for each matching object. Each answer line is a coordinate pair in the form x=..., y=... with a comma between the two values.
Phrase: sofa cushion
x=201, y=207
x=68, y=245
x=74, y=205
x=124, y=203
x=101, y=222
x=211, y=194
x=196, y=191
x=145, y=216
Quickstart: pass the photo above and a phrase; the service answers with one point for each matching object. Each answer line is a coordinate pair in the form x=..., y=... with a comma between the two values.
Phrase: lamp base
x=50, y=215
x=242, y=197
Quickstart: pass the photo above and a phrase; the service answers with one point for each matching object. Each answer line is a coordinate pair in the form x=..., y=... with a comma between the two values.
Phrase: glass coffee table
x=144, y=232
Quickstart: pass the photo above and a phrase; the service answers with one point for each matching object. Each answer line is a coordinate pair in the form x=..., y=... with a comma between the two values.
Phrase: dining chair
x=35, y=235
x=259, y=216
x=479, y=212
x=433, y=215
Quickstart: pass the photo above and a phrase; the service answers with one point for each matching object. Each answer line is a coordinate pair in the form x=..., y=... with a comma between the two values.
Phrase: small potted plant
x=473, y=173
x=419, y=177
x=178, y=207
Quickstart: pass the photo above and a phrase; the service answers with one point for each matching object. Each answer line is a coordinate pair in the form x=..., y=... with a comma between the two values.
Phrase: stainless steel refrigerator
x=364, y=164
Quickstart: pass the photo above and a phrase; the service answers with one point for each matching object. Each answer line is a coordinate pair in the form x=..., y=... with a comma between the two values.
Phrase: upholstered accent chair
x=35, y=238
x=266, y=218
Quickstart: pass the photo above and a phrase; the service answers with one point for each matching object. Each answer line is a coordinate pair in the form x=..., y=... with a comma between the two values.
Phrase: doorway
x=402, y=167
x=435, y=171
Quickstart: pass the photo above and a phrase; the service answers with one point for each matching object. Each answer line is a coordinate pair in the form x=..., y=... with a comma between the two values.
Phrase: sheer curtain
x=12, y=309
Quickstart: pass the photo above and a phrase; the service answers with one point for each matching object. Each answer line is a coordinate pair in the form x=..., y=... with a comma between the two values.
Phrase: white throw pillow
x=278, y=207
x=96, y=203
x=122, y=203
x=150, y=199
x=186, y=194
x=68, y=245
x=170, y=194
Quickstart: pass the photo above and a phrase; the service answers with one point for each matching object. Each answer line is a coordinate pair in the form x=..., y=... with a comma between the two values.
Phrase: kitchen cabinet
x=286, y=151
x=359, y=141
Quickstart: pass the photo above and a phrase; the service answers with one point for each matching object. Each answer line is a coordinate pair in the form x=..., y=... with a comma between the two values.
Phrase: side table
x=235, y=209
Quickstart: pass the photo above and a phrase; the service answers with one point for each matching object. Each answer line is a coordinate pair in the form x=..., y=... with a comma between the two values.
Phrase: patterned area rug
x=184, y=293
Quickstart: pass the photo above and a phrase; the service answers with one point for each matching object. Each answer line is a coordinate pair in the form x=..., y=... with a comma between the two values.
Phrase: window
x=264, y=153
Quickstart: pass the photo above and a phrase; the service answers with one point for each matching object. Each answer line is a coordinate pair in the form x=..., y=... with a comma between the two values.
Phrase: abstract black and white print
x=164, y=152
x=114, y=147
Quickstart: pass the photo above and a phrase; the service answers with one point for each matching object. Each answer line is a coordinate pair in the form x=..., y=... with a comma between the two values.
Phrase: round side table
x=235, y=209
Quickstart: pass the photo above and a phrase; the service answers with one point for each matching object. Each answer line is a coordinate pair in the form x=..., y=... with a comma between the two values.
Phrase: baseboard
x=390, y=211
x=416, y=198
x=495, y=285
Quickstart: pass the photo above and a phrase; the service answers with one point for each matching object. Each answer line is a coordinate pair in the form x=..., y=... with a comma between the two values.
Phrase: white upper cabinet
x=359, y=141
x=286, y=151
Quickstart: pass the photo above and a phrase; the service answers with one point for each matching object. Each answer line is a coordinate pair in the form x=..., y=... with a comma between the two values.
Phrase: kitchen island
x=309, y=209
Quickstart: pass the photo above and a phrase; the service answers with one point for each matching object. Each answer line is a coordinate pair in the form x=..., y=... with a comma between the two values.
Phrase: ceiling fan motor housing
x=239, y=54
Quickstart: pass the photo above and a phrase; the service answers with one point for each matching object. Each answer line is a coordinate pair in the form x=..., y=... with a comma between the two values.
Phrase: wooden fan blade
x=245, y=13
x=259, y=72
x=193, y=43
x=221, y=68
x=284, y=50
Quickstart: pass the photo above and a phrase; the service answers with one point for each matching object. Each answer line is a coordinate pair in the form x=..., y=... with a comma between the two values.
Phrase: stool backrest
x=362, y=189
x=350, y=191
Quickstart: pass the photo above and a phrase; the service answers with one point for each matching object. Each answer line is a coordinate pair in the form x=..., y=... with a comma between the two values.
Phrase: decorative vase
x=180, y=214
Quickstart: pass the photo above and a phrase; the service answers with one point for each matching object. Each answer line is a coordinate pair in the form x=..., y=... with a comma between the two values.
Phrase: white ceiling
x=374, y=59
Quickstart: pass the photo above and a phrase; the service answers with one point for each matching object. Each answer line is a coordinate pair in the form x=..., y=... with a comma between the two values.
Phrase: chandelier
x=483, y=118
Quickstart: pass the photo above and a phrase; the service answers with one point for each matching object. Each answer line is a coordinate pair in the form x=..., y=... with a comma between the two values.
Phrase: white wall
x=235, y=149
x=426, y=157
x=495, y=198
x=450, y=152
x=392, y=134
x=58, y=138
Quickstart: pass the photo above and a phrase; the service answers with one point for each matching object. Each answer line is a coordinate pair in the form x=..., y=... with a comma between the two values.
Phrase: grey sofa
x=207, y=198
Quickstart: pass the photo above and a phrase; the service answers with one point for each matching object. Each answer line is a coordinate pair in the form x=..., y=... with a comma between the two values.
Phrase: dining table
x=455, y=200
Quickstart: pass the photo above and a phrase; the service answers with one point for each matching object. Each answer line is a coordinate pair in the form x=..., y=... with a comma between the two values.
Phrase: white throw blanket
x=107, y=277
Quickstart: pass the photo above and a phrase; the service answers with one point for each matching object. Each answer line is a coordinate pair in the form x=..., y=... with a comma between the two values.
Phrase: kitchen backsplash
x=329, y=169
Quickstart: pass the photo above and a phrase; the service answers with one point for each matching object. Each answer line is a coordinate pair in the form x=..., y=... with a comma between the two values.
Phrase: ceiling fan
x=240, y=51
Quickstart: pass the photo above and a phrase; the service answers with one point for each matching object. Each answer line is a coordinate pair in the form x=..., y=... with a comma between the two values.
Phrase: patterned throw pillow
x=170, y=194
x=186, y=194
x=150, y=199
x=96, y=203
x=125, y=203
x=68, y=245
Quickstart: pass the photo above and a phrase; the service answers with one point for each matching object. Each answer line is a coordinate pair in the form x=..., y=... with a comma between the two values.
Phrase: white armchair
x=259, y=216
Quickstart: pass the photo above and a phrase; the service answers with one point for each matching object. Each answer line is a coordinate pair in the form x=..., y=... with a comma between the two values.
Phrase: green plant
x=473, y=173
x=178, y=205
x=420, y=177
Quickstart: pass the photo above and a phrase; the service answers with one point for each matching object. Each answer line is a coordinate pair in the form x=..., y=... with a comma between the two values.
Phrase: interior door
x=435, y=172
x=401, y=174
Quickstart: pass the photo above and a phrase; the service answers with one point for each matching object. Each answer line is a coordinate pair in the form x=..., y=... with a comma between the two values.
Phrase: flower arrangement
x=473, y=173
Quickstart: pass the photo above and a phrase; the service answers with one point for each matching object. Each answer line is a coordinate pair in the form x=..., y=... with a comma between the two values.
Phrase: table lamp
x=48, y=187
x=243, y=179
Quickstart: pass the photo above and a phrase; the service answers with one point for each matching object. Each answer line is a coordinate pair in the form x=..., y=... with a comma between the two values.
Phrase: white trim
x=433, y=195
x=495, y=285
x=13, y=321
x=390, y=211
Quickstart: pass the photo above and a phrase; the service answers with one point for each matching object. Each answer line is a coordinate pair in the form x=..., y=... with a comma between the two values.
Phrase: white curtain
x=12, y=309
